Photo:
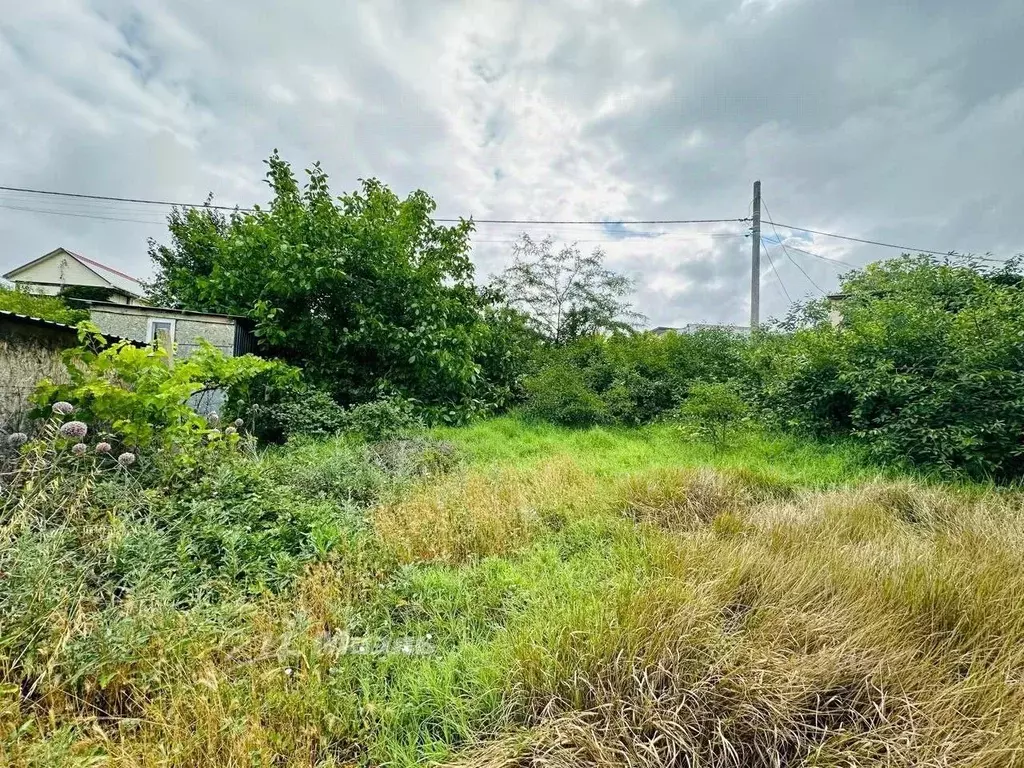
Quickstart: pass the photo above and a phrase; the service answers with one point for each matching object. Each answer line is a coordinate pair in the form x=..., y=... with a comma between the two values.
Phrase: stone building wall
x=188, y=329
x=27, y=355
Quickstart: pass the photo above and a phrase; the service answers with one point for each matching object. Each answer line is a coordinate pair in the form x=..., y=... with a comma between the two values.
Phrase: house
x=65, y=272
x=180, y=328
x=117, y=305
x=30, y=350
x=740, y=330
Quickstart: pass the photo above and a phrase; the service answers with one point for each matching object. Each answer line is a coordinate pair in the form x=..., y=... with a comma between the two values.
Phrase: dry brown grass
x=479, y=514
x=882, y=625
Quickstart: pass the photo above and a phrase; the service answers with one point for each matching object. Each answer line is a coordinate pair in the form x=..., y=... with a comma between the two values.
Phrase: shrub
x=47, y=307
x=926, y=365
x=134, y=397
x=382, y=419
x=640, y=378
x=558, y=394
x=713, y=410
x=301, y=410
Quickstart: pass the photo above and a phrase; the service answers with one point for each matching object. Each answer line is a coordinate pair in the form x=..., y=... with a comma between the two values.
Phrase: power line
x=905, y=248
x=776, y=271
x=165, y=203
x=786, y=251
x=80, y=215
x=171, y=203
x=819, y=256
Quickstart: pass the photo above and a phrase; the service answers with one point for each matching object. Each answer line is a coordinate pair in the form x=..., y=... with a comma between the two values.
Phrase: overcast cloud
x=896, y=121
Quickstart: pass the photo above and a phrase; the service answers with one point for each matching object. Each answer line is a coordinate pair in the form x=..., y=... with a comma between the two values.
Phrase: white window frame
x=152, y=322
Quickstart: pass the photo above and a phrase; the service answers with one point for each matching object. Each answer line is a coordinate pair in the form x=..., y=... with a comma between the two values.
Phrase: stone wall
x=188, y=329
x=28, y=354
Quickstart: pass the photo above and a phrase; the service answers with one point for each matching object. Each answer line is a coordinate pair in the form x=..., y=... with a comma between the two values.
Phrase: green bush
x=636, y=379
x=926, y=366
x=381, y=420
x=714, y=411
x=558, y=394
x=135, y=399
x=302, y=410
x=46, y=307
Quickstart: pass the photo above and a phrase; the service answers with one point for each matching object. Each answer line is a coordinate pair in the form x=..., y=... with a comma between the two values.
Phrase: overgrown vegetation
x=366, y=293
x=46, y=307
x=689, y=549
x=925, y=368
x=603, y=597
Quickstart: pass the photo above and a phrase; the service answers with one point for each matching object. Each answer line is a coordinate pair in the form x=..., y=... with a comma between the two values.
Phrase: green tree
x=365, y=292
x=566, y=294
x=927, y=365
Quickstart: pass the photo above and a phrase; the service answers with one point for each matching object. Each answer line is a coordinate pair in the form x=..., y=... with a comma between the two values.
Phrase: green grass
x=610, y=451
x=606, y=597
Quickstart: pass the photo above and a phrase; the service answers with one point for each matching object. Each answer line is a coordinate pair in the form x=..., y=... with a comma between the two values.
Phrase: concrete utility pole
x=755, y=262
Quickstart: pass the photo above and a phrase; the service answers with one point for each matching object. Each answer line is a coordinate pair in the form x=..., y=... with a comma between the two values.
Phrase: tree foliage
x=566, y=294
x=632, y=379
x=365, y=292
x=927, y=365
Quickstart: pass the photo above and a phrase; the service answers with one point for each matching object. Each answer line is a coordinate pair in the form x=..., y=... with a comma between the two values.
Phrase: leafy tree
x=566, y=294
x=365, y=292
x=927, y=365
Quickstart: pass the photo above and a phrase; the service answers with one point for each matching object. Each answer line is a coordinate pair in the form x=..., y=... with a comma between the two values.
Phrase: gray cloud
x=892, y=121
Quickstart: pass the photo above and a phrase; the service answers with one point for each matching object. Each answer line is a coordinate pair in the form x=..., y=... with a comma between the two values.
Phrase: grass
x=601, y=597
x=613, y=451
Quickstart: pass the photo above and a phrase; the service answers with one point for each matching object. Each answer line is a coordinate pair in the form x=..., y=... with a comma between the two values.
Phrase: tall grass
x=604, y=597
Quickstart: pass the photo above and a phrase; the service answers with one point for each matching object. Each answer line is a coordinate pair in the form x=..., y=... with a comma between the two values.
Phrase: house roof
x=115, y=278
x=142, y=309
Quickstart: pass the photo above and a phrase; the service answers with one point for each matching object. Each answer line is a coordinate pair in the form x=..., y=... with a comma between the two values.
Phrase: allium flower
x=17, y=439
x=212, y=419
x=126, y=459
x=239, y=423
x=79, y=449
x=103, y=447
x=230, y=431
x=63, y=408
x=74, y=429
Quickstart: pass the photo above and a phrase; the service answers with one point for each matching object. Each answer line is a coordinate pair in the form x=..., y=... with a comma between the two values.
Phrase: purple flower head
x=63, y=408
x=74, y=429
x=212, y=419
x=79, y=449
x=230, y=431
x=17, y=439
x=239, y=423
x=103, y=447
x=126, y=459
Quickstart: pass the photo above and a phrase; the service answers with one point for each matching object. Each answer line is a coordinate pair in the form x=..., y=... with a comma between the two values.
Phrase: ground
x=599, y=597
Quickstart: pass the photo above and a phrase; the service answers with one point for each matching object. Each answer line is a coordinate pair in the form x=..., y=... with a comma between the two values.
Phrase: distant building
x=62, y=271
x=740, y=330
x=117, y=305
x=181, y=328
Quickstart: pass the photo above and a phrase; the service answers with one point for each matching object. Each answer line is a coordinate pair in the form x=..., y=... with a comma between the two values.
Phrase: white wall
x=60, y=269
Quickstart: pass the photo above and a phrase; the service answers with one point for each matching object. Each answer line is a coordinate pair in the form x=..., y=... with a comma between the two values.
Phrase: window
x=161, y=331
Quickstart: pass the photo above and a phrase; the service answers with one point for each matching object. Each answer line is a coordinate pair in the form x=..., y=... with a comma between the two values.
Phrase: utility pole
x=755, y=262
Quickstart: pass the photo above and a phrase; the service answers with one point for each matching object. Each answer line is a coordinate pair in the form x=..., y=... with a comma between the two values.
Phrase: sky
x=892, y=121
